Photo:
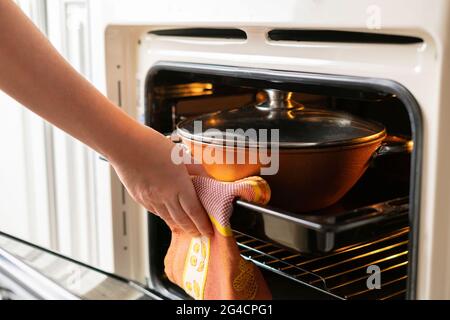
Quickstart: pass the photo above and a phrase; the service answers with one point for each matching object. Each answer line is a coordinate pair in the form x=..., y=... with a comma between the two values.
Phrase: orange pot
x=332, y=152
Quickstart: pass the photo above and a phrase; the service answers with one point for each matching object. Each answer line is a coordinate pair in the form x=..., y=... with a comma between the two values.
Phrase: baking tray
x=320, y=231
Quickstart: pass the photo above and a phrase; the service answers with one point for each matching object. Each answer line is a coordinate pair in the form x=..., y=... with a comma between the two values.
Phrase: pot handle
x=394, y=144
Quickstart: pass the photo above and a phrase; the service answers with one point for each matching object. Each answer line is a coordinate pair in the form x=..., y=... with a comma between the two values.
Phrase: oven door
x=31, y=272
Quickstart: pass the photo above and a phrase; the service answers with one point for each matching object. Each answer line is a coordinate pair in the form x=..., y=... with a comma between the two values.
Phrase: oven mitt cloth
x=211, y=267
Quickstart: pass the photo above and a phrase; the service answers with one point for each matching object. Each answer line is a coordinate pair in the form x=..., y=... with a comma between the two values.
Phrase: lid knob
x=279, y=100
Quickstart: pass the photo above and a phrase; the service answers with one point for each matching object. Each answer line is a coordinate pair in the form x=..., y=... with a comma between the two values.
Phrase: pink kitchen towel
x=212, y=267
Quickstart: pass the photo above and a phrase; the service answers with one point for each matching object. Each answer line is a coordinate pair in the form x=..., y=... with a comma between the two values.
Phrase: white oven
x=390, y=58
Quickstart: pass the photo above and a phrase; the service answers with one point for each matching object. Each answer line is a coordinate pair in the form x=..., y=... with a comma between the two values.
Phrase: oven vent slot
x=341, y=273
x=339, y=36
x=214, y=33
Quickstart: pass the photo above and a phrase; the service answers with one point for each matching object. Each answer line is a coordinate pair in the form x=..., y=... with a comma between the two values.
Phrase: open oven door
x=31, y=272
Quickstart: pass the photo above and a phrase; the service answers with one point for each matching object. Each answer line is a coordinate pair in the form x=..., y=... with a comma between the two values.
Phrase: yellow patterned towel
x=211, y=267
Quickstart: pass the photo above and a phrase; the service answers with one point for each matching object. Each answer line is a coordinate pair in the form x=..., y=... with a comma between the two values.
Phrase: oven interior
x=327, y=253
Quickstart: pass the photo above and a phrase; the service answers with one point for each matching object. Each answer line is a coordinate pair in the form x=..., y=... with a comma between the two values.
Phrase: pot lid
x=279, y=120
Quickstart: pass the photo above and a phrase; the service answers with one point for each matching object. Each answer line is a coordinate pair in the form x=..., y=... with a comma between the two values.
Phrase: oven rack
x=341, y=273
x=320, y=231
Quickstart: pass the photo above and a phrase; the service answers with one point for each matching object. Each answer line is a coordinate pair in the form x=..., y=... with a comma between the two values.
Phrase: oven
x=387, y=227
x=325, y=253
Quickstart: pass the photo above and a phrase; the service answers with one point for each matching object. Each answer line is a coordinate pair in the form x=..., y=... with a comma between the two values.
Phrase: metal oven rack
x=321, y=231
x=343, y=272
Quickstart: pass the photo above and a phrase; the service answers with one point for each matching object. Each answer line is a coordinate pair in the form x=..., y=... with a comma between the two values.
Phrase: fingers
x=180, y=217
x=161, y=211
x=187, y=215
x=195, y=211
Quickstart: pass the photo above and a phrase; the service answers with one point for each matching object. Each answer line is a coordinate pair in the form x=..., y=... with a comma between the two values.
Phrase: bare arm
x=33, y=72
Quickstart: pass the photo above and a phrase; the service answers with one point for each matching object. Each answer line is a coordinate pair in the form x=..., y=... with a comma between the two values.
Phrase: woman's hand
x=145, y=167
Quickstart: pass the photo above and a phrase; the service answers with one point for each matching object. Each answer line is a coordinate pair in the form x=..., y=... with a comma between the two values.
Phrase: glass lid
x=282, y=121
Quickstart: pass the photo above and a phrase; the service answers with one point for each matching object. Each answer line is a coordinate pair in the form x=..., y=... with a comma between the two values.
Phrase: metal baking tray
x=320, y=231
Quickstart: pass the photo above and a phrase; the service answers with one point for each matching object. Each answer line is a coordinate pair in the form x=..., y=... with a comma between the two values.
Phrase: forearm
x=32, y=72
